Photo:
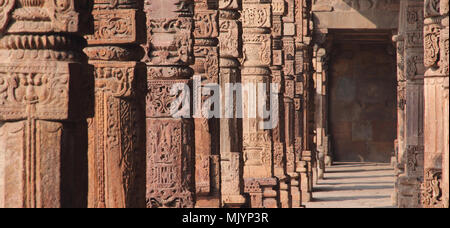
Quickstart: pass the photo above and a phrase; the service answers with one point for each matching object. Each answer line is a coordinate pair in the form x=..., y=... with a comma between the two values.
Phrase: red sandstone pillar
x=116, y=133
x=409, y=182
x=207, y=134
x=296, y=44
x=307, y=156
x=321, y=79
x=282, y=134
x=257, y=141
x=292, y=68
x=42, y=103
x=400, y=144
x=436, y=79
x=169, y=52
x=444, y=66
x=230, y=45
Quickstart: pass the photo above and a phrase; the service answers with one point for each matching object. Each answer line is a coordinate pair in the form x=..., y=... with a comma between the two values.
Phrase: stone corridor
x=355, y=185
x=224, y=103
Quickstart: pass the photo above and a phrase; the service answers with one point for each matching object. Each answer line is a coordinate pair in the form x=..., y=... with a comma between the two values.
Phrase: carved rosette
x=169, y=50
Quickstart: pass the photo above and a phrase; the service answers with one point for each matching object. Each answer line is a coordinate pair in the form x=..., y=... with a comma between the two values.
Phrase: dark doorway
x=363, y=98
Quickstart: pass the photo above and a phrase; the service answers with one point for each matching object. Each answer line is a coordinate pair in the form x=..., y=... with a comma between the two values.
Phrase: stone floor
x=355, y=185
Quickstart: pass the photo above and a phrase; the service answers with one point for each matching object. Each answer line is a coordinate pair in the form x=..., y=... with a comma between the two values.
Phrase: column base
x=261, y=192
x=328, y=161
x=233, y=201
x=285, y=194
x=408, y=192
x=208, y=202
x=296, y=195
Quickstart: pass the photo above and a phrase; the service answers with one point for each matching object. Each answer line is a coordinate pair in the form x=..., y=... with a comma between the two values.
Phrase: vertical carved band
x=230, y=48
x=435, y=44
x=169, y=52
x=206, y=67
x=257, y=58
x=116, y=149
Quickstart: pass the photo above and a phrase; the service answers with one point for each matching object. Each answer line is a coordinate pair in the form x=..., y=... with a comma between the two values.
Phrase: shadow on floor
x=358, y=164
x=358, y=185
x=353, y=188
x=345, y=198
x=357, y=170
x=356, y=177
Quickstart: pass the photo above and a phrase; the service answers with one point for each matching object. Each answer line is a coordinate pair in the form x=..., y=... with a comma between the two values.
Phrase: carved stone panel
x=33, y=90
x=432, y=189
x=363, y=14
x=114, y=27
x=169, y=162
x=43, y=16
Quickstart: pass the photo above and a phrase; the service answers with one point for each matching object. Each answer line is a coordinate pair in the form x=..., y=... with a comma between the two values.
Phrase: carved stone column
x=169, y=52
x=304, y=98
x=116, y=142
x=207, y=134
x=287, y=106
x=400, y=143
x=436, y=79
x=282, y=133
x=257, y=141
x=409, y=182
x=292, y=125
x=444, y=47
x=230, y=39
x=321, y=79
x=42, y=74
x=306, y=165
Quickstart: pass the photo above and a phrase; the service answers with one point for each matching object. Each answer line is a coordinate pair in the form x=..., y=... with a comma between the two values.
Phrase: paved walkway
x=355, y=185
